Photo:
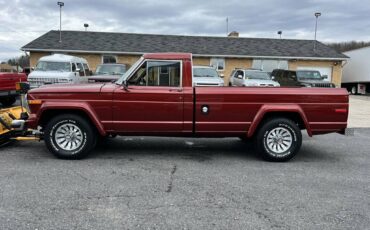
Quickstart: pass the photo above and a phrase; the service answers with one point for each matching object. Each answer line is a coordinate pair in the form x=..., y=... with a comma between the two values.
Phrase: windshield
x=204, y=72
x=129, y=71
x=308, y=75
x=257, y=75
x=110, y=70
x=53, y=66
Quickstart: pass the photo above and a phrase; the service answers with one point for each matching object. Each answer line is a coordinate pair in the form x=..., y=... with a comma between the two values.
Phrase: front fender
x=281, y=108
x=75, y=106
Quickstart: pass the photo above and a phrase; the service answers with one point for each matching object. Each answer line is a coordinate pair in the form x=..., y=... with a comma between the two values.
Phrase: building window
x=109, y=59
x=269, y=64
x=218, y=63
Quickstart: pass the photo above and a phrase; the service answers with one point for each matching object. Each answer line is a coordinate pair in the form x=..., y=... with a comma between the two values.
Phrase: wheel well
x=294, y=116
x=49, y=114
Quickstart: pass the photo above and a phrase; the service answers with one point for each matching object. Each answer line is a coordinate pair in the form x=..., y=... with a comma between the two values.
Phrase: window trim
x=115, y=57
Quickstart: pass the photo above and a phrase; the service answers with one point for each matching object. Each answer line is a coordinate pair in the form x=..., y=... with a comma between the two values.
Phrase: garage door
x=323, y=70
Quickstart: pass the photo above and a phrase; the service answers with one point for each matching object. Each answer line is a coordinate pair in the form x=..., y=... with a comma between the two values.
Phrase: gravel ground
x=175, y=183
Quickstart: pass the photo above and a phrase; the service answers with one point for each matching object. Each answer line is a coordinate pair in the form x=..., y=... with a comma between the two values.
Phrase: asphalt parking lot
x=175, y=183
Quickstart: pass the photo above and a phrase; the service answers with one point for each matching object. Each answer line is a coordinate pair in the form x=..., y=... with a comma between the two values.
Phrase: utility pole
x=227, y=26
x=317, y=15
x=60, y=4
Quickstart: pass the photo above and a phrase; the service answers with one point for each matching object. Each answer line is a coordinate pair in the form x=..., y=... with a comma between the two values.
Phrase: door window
x=81, y=68
x=87, y=70
x=158, y=73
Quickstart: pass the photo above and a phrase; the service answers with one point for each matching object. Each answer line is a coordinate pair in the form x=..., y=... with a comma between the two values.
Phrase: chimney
x=233, y=34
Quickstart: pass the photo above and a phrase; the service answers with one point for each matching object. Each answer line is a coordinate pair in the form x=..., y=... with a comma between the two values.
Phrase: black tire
x=230, y=84
x=8, y=101
x=268, y=145
x=84, y=138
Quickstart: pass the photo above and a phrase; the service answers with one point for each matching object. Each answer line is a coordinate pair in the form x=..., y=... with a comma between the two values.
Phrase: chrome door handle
x=175, y=90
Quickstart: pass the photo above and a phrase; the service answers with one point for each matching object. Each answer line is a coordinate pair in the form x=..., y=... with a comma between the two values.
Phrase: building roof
x=62, y=58
x=128, y=43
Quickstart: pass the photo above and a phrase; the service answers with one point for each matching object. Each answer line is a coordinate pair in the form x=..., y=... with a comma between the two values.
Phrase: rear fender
x=281, y=108
x=76, y=106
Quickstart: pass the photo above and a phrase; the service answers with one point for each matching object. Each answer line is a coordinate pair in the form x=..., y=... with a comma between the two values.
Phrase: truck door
x=153, y=100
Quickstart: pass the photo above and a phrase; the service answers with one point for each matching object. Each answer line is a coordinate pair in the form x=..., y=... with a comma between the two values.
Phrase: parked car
x=108, y=72
x=206, y=76
x=8, y=93
x=251, y=77
x=156, y=97
x=59, y=69
x=301, y=78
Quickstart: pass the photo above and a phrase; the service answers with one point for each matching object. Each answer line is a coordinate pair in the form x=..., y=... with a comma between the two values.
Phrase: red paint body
x=7, y=83
x=176, y=111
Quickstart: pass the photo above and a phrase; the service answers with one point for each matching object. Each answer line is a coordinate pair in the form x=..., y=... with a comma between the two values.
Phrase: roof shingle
x=198, y=45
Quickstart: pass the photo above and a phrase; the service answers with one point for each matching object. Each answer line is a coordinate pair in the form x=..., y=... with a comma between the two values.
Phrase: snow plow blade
x=12, y=125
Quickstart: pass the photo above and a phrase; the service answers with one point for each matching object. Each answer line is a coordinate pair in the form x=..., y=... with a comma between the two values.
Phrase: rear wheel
x=69, y=136
x=8, y=101
x=278, y=140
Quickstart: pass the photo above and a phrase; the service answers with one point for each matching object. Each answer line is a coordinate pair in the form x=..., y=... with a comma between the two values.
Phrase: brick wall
x=230, y=63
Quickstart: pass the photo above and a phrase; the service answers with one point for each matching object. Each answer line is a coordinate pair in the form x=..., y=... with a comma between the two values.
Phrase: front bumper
x=31, y=122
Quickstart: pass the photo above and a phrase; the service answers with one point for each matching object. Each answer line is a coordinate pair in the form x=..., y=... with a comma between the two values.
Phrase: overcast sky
x=21, y=21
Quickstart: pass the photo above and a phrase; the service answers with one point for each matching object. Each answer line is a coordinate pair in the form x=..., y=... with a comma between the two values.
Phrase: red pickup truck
x=8, y=92
x=156, y=97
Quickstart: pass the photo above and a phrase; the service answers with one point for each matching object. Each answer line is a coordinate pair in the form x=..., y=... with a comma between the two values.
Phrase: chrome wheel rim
x=68, y=137
x=279, y=140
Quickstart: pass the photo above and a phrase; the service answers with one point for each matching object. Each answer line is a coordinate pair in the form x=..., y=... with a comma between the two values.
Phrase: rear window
x=257, y=75
x=303, y=75
x=110, y=70
x=205, y=72
x=53, y=66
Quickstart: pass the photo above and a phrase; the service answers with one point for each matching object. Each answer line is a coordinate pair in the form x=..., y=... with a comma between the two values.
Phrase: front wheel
x=69, y=136
x=278, y=140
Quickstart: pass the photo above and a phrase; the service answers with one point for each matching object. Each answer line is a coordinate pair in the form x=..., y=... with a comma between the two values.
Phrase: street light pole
x=317, y=15
x=280, y=33
x=60, y=4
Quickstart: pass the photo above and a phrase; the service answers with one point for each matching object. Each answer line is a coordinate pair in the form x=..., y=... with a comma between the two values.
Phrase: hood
x=207, y=81
x=68, y=88
x=105, y=78
x=261, y=82
x=49, y=74
x=314, y=81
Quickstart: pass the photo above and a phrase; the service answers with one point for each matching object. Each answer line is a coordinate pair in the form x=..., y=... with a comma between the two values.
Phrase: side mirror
x=273, y=78
x=22, y=87
x=32, y=68
x=240, y=76
x=222, y=75
x=324, y=76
